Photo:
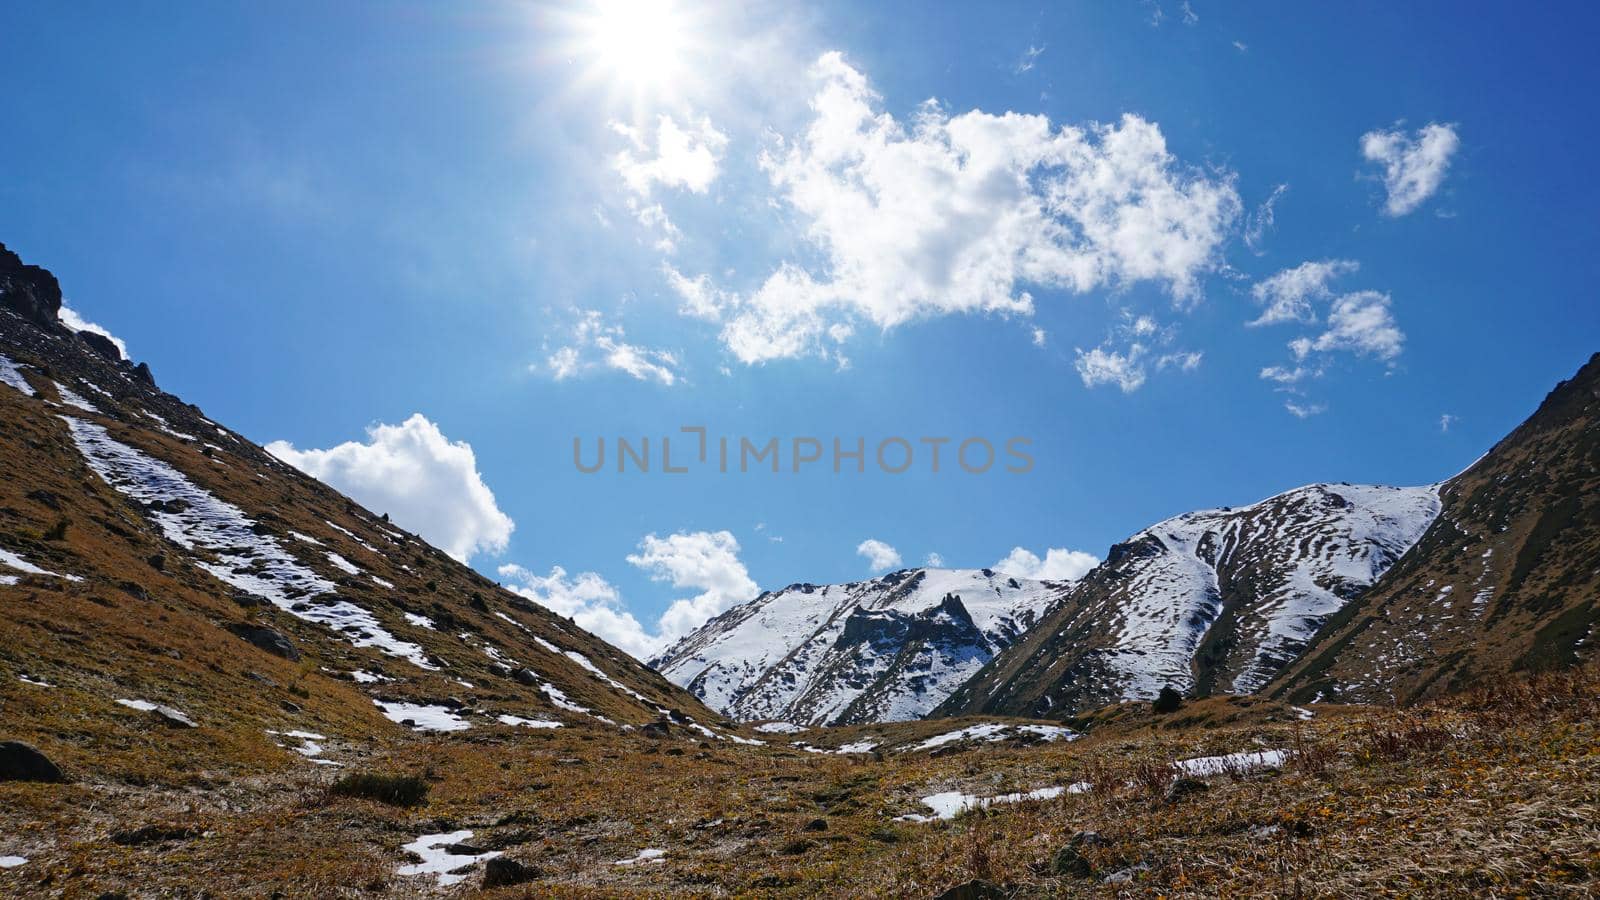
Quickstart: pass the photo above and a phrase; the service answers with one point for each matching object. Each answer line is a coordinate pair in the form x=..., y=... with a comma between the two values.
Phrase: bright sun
x=636, y=44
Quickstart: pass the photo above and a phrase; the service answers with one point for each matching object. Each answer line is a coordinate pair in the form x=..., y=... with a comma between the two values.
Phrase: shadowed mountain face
x=151, y=555
x=1211, y=601
x=887, y=649
x=1506, y=579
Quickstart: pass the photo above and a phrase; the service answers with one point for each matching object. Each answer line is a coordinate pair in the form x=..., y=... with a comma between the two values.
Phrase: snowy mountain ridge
x=1210, y=601
x=887, y=649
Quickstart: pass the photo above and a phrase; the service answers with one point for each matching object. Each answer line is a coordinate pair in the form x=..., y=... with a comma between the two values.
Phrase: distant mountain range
x=1345, y=592
x=887, y=649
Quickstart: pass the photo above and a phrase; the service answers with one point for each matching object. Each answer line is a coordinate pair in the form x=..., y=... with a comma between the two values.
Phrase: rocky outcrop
x=29, y=291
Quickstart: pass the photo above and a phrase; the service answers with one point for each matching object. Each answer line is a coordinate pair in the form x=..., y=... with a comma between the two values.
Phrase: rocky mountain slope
x=887, y=649
x=1507, y=578
x=155, y=564
x=1206, y=602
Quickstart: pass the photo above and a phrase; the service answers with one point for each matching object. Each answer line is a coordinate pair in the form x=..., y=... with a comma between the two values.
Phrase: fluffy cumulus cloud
x=596, y=345
x=1360, y=323
x=1414, y=165
x=946, y=214
x=879, y=556
x=72, y=319
x=676, y=156
x=1124, y=368
x=1059, y=564
x=424, y=481
x=1357, y=322
x=593, y=603
x=703, y=561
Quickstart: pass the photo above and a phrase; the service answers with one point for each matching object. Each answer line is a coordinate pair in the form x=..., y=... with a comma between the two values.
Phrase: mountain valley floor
x=1494, y=792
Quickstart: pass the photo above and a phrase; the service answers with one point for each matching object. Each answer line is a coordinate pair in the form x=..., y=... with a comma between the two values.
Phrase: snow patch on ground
x=12, y=560
x=993, y=731
x=11, y=862
x=194, y=519
x=12, y=375
x=439, y=861
x=780, y=728
x=73, y=398
x=508, y=719
x=647, y=855
x=949, y=804
x=422, y=717
x=345, y=565
x=1248, y=761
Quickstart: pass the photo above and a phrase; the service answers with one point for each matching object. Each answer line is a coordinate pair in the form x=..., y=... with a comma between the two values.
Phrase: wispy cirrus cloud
x=594, y=344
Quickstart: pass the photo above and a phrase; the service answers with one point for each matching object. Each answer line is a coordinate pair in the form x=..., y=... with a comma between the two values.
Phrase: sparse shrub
x=395, y=790
x=58, y=531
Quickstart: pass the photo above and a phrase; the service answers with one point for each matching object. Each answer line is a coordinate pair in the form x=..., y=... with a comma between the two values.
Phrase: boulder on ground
x=267, y=639
x=22, y=762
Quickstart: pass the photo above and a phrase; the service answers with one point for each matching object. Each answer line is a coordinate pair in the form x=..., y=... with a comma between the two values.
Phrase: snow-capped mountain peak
x=887, y=649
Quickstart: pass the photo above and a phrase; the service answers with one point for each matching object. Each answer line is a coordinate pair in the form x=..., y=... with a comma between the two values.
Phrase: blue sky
x=522, y=221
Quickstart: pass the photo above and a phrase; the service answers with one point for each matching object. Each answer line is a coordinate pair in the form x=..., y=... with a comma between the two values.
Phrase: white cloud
x=596, y=345
x=1059, y=564
x=1263, y=221
x=1029, y=58
x=71, y=319
x=1141, y=337
x=699, y=560
x=1360, y=323
x=1186, y=361
x=1445, y=421
x=425, y=482
x=1123, y=369
x=1039, y=337
x=1190, y=17
x=1289, y=295
x=593, y=603
x=957, y=214
x=1413, y=165
x=678, y=157
x=934, y=560
x=879, y=556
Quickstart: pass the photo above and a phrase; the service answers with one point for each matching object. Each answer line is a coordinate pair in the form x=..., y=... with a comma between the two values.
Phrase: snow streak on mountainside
x=1506, y=579
x=1211, y=601
x=883, y=650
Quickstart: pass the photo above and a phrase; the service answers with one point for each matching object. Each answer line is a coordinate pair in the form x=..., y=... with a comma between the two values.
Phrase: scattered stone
x=502, y=871
x=976, y=889
x=267, y=639
x=1168, y=700
x=816, y=825
x=21, y=762
x=102, y=345
x=1185, y=787
x=657, y=729
x=154, y=834
x=526, y=676
x=1126, y=876
x=1071, y=861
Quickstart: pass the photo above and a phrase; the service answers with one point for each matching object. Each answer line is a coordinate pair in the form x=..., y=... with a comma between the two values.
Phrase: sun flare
x=640, y=45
